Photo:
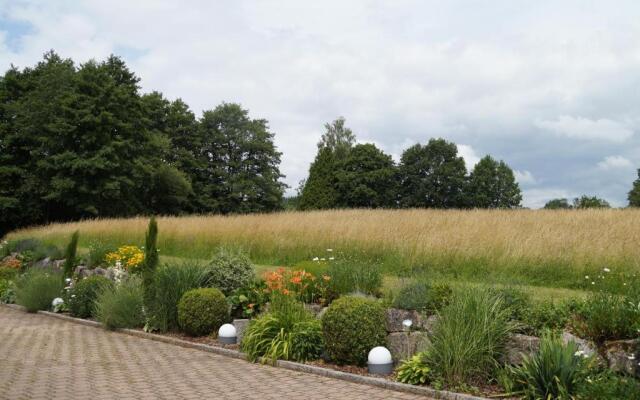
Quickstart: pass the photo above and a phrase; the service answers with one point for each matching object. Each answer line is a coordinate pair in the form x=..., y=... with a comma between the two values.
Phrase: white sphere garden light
x=227, y=334
x=380, y=361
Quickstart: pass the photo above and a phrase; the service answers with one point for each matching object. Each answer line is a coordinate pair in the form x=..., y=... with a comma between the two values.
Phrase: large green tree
x=432, y=175
x=634, y=193
x=366, y=178
x=585, y=201
x=557, y=204
x=492, y=184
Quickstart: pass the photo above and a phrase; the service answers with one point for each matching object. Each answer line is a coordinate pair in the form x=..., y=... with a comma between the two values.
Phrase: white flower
x=329, y=250
x=631, y=357
x=331, y=258
x=586, y=277
x=73, y=295
x=606, y=270
x=57, y=301
x=579, y=353
x=593, y=283
x=323, y=259
x=316, y=259
x=68, y=280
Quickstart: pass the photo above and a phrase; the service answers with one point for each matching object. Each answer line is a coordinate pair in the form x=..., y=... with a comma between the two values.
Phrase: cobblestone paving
x=46, y=358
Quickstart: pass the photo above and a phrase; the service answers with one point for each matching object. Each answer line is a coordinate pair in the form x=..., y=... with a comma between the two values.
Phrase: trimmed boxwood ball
x=202, y=311
x=351, y=327
x=83, y=295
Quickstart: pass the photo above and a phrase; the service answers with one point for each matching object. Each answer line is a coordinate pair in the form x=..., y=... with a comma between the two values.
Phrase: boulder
x=81, y=271
x=58, y=264
x=396, y=316
x=589, y=349
x=44, y=263
x=518, y=346
x=241, y=326
x=623, y=356
x=101, y=271
x=314, y=309
x=403, y=345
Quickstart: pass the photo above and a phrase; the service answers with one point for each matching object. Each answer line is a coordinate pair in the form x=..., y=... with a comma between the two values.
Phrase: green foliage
x=337, y=138
x=634, y=193
x=469, y=337
x=287, y=332
x=229, y=270
x=171, y=282
x=606, y=316
x=7, y=291
x=319, y=190
x=70, y=255
x=36, y=289
x=556, y=371
x=558, y=204
x=585, y=201
x=546, y=315
x=432, y=175
x=414, y=371
x=422, y=296
x=8, y=273
x=170, y=190
x=516, y=301
x=366, y=178
x=202, y=311
x=248, y=301
x=121, y=306
x=610, y=386
x=351, y=327
x=84, y=293
x=97, y=252
x=150, y=264
x=493, y=185
x=348, y=275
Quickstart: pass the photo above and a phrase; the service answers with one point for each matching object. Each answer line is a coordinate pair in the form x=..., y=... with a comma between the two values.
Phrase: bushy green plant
x=70, y=255
x=610, y=386
x=470, y=337
x=546, y=315
x=516, y=301
x=97, y=253
x=414, y=371
x=171, y=282
x=7, y=291
x=36, y=289
x=287, y=332
x=606, y=316
x=8, y=273
x=248, y=301
x=121, y=306
x=202, y=311
x=422, y=296
x=351, y=327
x=349, y=275
x=230, y=270
x=84, y=293
x=556, y=371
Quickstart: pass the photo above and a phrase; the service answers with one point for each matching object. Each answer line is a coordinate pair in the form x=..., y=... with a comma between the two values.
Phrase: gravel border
x=290, y=365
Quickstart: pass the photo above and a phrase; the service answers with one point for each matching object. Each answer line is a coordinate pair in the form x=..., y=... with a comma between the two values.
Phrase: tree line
x=345, y=175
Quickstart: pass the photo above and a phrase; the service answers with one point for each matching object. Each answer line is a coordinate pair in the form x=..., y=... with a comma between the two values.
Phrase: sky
x=550, y=87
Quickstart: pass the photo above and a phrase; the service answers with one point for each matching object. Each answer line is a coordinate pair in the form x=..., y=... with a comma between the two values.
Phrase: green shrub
x=351, y=327
x=150, y=264
x=229, y=271
x=516, y=301
x=84, y=293
x=556, y=371
x=121, y=306
x=414, y=371
x=7, y=292
x=351, y=276
x=70, y=255
x=606, y=316
x=469, y=337
x=546, y=315
x=97, y=253
x=202, y=311
x=288, y=332
x=248, y=301
x=8, y=273
x=423, y=297
x=171, y=282
x=607, y=385
x=36, y=289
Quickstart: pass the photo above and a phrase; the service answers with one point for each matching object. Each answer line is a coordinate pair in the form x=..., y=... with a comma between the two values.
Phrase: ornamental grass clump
x=84, y=293
x=351, y=326
x=202, y=311
x=349, y=275
x=36, y=289
x=121, y=306
x=470, y=338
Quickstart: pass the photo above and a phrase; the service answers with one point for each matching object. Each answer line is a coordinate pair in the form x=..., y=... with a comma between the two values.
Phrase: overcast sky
x=551, y=87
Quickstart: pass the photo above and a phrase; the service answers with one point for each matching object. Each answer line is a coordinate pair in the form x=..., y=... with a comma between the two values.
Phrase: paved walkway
x=47, y=358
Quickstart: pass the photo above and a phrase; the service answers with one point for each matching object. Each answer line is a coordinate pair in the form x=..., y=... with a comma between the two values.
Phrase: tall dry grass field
x=534, y=246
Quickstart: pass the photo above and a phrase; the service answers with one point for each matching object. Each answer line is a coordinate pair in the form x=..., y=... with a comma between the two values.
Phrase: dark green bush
x=36, y=289
x=84, y=293
x=610, y=386
x=353, y=276
x=606, y=316
x=97, y=253
x=202, y=311
x=171, y=282
x=8, y=273
x=423, y=297
x=351, y=327
x=121, y=305
x=229, y=271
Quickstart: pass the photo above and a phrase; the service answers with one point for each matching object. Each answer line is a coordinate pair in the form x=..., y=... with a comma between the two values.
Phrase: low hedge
x=202, y=311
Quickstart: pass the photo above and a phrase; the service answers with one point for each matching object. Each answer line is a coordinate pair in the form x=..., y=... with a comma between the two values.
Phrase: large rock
x=587, y=348
x=403, y=345
x=44, y=263
x=315, y=309
x=241, y=326
x=396, y=316
x=623, y=356
x=58, y=264
x=519, y=346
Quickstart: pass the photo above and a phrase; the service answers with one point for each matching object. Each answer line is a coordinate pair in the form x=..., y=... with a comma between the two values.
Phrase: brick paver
x=47, y=358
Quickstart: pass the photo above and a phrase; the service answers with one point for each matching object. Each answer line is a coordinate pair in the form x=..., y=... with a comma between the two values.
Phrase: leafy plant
x=8, y=273
x=7, y=291
x=349, y=275
x=171, y=282
x=606, y=316
x=469, y=337
x=248, y=301
x=422, y=296
x=121, y=306
x=129, y=257
x=229, y=270
x=97, y=254
x=556, y=371
x=351, y=327
x=70, y=255
x=304, y=285
x=36, y=289
x=608, y=385
x=84, y=293
x=515, y=300
x=414, y=371
x=202, y=311
x=546, y=315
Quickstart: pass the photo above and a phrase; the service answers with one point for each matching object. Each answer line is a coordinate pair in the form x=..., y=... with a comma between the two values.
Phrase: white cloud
x=469, y=154
x=524, y=177
x=588, y=129
x=614, y=162
x=537, y=198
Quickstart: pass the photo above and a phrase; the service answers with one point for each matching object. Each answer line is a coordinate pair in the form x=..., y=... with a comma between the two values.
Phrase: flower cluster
x=11, y=262
x=298, y=283
x=128, y=257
